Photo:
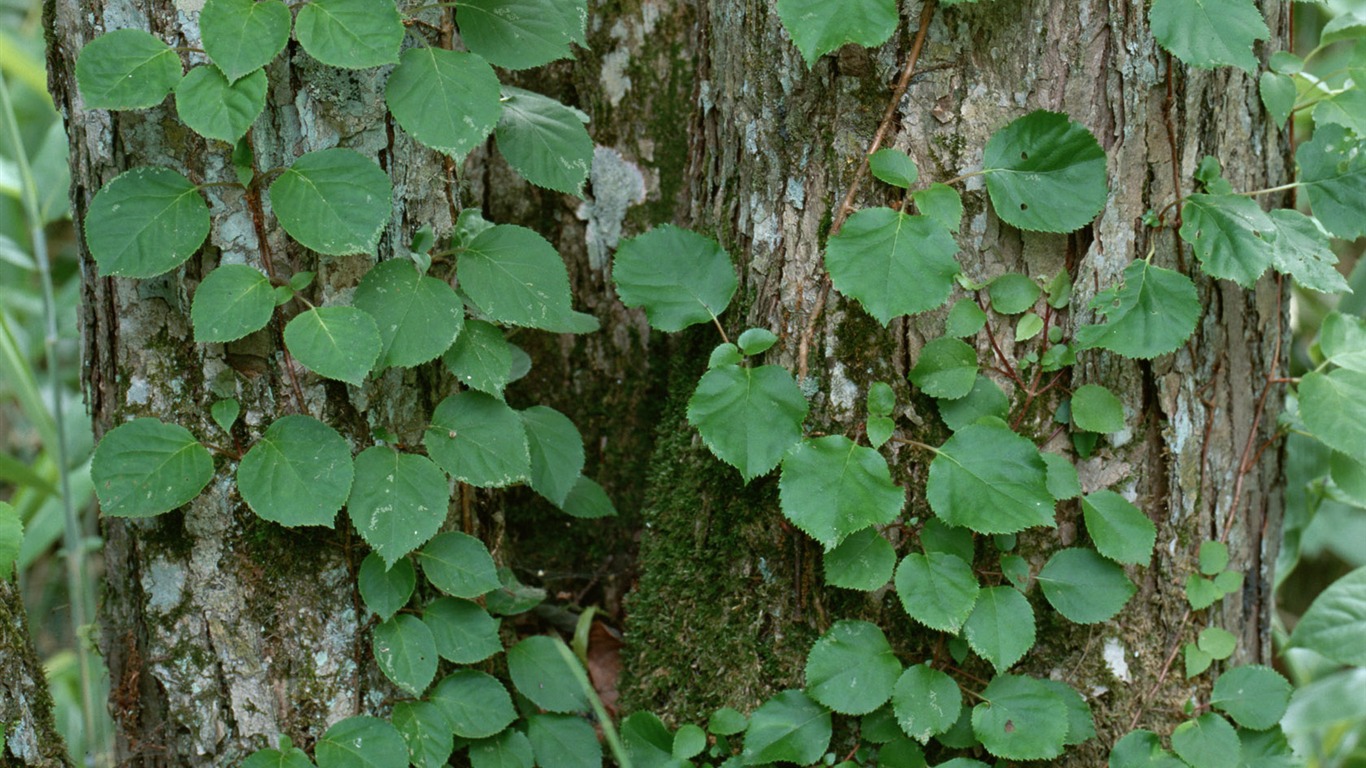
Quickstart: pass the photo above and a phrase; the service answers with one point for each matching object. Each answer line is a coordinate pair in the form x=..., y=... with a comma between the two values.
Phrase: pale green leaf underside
x=448, y=100
x=146, y=467
x=1334, y=626
x=830, y=487
x=298, y=473
x=748, y=417
x=145, y=222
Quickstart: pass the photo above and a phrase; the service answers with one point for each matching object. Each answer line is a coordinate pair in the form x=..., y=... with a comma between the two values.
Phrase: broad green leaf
x=145, y=467
x=1197, y=661
x=1081, y=726
x=544, y=140
x=748, y=417
x=1346, y=25
x=564, y=741
x=681, y=278
x=541, y=674
x=11, y=537
x=556, y=452
x=1083, y=586
x=724, y=354
x=448, y=100
x=1208, y=741
x=881, y=398
x=727, y=722
x=893, y=167
x=464, y=632
x=481, y=358
x=270, y=758
x=1333, y=175
x=385, y=589
x=1213, y=557
x=418, y=317
x=1096, y=409
x=1045, y=173
x=479, y=440
x=1333, y=703
x=145, y=222
x=756, y=341
x=1151, y=314
x=1001, y=627
x=1142, y=749
x=298, y=473
x=1333, y=406
x=1120, y=530
x=335, y=342
x=405, y=652
x=863, y=561
x=787, y=728
x=1267, y=749
x=514, y=34
x=512, y=596
x=231, y=302
x=398, y=501
x=946, y=369
x=217, y=108
x=689, y=741
x=476, y=704
x=831, y=487
x=1063, y=483
x=1201, y=593
x=244, y=35
x=353, y=34
x=879, y=430
x=1209, y=33
x=361, y=742
x=1230, y=234
x=509, y=749
x=941, y=203
x=1334, y=626
x=935, y=536
x=1017, y=571
x=126, y=69
x=926, y=702
x=515, y=277
x=587, y=500
x=985, y=399
x=937, y=589
x=1013, y=293
x=1346, y=108
x=851, y=669
x=424, y=728
x=991, y=480
x=459, y=565
x=1278, y=95
x=1021, y=718
x=1349, y=478
x=648, y=741
x=1254, y=696
x=1342, y=340
x=334, y=201
x=1301, y=250
x=1029, y=326
x=818, y=27
x=892, y=263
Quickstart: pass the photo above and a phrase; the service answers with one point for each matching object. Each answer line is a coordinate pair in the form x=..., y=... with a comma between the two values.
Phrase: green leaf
x=1029, y=326
x=541, y=674
x=689, y=741
x=459, y=565
x=448, y=100
x=270, y=758
x=985, y=399
x=515, y=277
x=1278, y=95
x=748, y=417
x=587, y=500
x=863, y=561
x=1333, y=175
x=727, y=722
x=361, y=742
x=1081, y=726
x=544, y=140
x=1267, y=749
x=1016, y=570
x=788, y=727
x=881, y=399
x=926, y=702
x=340, y=343
x=680, y=277
x=145, y=222
x=385, y=589
x=1230, y=234
x=481, y=358
x=556, y=452
x=476, y=704
x=231, y=302
x=509, y=749
x=353, y=34
x=1197, y=661
x=423, y=726
x=1013, y=293
x=1333, y=406
x=1334, y=626
x=1209, y=33
x=818, y=27
x=892, y=263
x=935, y=536
x=514, y=34
x=991, y=480
x=830, y=487
x=1213, y=557
x=1342, y=340
x=405, y=652
x=1062, y=477
x=217, y=108
x=298, y=473
x=418, y=317
x=894, y=167
x=1096, y=409
x=479, y=440
x=1254, y=696
x=937, y=589
x=941, y=203
x=1120, y=530
x=648, y=741
x=851, y=669
x=1153, y=313
x=1208, y=741
x=1083, y=586
x=126, y=69
x=145, y=467
x=512, y=597
x=724, y=354
x=1001, y=627
x=464, y=632
x=1301, y=250
x=946, y=368
x=756, y=341
x=564, y=741
x=1045, y=173
x=1201, y=593
x=11, y=537
x=334, y=201
x=398, y=501
x=1021, y=718
x=1142, y=749
x=243, y=35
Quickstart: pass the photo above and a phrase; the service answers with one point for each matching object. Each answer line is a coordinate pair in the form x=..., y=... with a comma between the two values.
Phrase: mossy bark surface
x=27, y=729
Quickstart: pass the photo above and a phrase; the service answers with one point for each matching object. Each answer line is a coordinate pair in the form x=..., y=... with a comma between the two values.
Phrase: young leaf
x=1213, y=557
x=1001, y=627
x=272, y=758
x=463, y=632
x=361, y=742
x=864, y=561
x=830, y=487
x=985, y=399
x=556, y=452
x=1013, y=293
x=515, y=277
x=398, y=501
x=1209, y=33
x=946, y=369
x=748, y=417
x=476, y=704
x=1083, y=586
x=459, y=565
x=334, y=201
x=385, y=589
x=1096, y=409
x=418, y=317
x=217, y=108
x=881, y=399
x=231, y=302
x=1333, y=406
x=818, y=27
x=1045, y=173
x=481, y=358
x=1254, y=696
x=893, y=167
x=145, y=467
x=941, y=203
x=564, y=741
x=544, y=140
x=1278, y=95
x=145, y=222
x=1081, y=726
x=892, y=263
x=1333, y=175
x=1063, y=483
x=852, y=669
x=1334, y=626
x=423, y=726
x=1021, y=718
x=335, y=342
x=689, y=742
x=756, y=341
x=1151, y=314
x=1119, y=529
x=991, y=480
x=478, y=440
x=405, y=652
x=509, y=749
x=1217, y=642
x=681, y=278
x=514, y=34
x=298, y=473
x=1029, y=326
x=1201, y=593
x=1197, y=661
x=541, y=674
x=926, y=702
x=243, y=35
x=788, y=727
x=937, y=589
x=587, y=500
x=448, y=100
x=1230, y=234
x=126, y=69
x=352, y=34
x=727, y=722
x=1208, y=741
x=1142, y=749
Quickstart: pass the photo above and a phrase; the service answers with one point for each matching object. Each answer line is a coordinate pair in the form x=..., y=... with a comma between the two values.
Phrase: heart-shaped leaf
x=145, y=222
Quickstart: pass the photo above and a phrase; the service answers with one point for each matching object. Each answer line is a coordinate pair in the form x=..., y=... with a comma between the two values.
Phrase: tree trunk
x=27, y=730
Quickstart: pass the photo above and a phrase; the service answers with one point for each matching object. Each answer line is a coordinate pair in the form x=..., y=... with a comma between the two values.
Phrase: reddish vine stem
x=1176, y=161
x=847, y=205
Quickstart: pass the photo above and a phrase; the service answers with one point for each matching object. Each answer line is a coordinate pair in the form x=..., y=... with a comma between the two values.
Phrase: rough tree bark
x=27, y=728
